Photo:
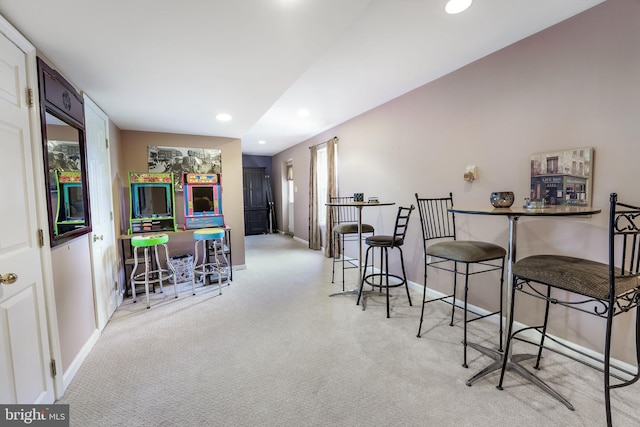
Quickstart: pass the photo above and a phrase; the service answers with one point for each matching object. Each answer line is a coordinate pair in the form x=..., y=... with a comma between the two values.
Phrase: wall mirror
x=63, y=136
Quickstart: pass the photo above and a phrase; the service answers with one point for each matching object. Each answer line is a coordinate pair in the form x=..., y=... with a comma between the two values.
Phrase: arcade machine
x=202, y=201
x=152, y=206
x=70, y=210
x=203, y=209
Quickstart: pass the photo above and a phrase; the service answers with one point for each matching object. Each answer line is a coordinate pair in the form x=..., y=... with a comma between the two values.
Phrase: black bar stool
x=386, y=242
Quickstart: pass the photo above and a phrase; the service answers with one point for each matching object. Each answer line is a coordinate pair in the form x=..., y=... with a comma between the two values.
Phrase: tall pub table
x=513, y=214
x=359, y=206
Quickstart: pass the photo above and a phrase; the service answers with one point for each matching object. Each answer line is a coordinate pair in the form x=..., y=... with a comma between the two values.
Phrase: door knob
x=8, y=279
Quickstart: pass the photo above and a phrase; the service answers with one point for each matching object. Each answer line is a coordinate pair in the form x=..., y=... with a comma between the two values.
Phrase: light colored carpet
x=275, y=350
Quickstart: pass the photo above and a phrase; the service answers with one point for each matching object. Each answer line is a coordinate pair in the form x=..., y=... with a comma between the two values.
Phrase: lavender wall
x=573, y=85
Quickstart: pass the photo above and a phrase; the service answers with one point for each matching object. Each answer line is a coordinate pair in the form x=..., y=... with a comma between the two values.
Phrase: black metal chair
x=603, y=289
x=386, y=242
x=344, y=220
x=438, y=224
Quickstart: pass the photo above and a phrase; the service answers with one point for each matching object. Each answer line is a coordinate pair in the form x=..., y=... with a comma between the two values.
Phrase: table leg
x=512, y=360
x=493, y=354
x=362, y=294
x=496, y=355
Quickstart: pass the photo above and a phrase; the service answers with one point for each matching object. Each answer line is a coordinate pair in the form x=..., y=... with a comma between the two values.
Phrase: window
x=290, y=188
x=290, y=191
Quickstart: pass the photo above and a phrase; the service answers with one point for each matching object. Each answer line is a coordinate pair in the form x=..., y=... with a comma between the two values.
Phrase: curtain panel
x=315, y=239
x=332, y=191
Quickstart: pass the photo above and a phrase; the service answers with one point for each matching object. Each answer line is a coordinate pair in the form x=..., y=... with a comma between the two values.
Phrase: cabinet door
x=255, y=201
x=255, y=196
x=255, y=221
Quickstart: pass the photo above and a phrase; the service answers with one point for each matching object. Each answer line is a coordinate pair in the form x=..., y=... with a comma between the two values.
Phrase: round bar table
x=513, y=214
x=358, y=205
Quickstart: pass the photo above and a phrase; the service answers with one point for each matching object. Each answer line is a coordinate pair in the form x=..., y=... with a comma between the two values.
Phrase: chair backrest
x=402, y=222
x=437, y=222
x=342, y=214
x=624, y=242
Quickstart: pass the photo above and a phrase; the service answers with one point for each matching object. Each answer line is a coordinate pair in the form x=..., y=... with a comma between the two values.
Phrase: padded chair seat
x=148, y=240
x=466, y=251
x=382, y=240
x=352, y=228
x=585, y=277
x=208, y=234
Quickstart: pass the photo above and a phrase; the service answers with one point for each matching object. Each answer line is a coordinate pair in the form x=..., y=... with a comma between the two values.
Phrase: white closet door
x=103, y=243
x=25, y=375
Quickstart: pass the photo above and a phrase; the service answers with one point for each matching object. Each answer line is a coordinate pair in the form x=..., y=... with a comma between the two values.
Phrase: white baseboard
x=535, y=336
x=70, y=373
x=297, y=239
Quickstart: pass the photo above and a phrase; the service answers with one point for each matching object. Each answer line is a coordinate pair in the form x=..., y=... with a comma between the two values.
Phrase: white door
x=25, y=376
x=103, y=249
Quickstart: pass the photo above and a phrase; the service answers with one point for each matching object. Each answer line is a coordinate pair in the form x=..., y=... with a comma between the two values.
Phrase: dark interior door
x=256, y=208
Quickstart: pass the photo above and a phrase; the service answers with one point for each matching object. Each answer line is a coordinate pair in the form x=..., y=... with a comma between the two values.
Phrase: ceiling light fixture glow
x=303, y=113
x=262, y=142
x=223, y=117
x=457, y=6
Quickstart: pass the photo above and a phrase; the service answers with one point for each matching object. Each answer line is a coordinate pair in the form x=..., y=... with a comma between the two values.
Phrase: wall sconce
x=471, y=173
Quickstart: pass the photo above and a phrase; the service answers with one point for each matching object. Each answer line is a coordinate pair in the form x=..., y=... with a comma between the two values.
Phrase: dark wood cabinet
x=256, y=207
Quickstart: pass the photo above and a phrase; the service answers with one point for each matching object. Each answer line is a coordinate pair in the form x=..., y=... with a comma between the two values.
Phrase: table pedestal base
x=513, y=364
x=355, y=291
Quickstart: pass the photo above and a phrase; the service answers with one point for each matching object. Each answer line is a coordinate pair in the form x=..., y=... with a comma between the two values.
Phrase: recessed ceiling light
x=303, y=113
x=457, y=6
x=262, y=142
x=223, y=117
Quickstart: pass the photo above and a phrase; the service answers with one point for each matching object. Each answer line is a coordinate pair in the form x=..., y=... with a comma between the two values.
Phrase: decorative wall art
x=182, y=159
x=562, y=177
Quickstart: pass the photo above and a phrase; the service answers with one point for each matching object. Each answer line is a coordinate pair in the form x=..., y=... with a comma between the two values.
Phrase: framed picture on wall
x=183, y=159
x=562, y=177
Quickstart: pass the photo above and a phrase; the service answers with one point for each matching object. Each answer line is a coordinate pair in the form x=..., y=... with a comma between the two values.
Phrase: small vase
x=502, y=199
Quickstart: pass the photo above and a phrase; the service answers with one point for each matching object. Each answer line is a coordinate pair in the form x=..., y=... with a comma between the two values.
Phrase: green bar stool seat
x=218, y=266
x=148, y=242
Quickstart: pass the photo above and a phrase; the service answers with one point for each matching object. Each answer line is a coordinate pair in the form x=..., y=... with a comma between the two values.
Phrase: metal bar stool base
x=149, y=276
x=210, y=268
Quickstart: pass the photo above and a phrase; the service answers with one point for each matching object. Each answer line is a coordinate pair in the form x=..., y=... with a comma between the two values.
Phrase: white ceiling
x=171, y=66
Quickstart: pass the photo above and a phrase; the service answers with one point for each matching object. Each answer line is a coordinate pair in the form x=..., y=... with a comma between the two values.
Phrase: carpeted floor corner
x=275, y=350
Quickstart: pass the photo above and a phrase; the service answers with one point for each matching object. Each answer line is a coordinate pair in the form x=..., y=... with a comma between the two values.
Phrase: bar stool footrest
x=382, y=279
x=165, y=274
